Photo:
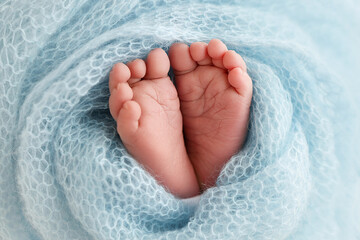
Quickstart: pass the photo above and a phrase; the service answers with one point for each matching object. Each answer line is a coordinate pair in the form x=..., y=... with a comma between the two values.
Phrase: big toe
x=157, y=64
x=180, y=58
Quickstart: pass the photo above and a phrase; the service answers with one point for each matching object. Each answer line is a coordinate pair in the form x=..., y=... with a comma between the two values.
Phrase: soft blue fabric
x=64, y=173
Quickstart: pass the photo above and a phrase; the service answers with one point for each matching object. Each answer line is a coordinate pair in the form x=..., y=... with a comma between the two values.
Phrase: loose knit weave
x=64, y=173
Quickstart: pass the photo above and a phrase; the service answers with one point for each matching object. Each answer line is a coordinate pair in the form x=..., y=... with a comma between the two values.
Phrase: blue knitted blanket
x=64, y=173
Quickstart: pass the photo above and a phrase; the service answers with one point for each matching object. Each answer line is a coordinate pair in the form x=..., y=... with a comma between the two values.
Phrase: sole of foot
x=215, y=94
x=145, y=105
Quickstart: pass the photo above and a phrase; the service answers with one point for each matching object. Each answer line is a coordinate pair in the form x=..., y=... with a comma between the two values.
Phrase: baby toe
x=233, y=60
x=118, y=97
x=119, y=74
x=128, y=119
x=180, y=58
x=137, y=70
x=157, y=64
x=241, y=81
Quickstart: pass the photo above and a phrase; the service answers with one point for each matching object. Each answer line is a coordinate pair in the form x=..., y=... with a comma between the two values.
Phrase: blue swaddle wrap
x=64, y=173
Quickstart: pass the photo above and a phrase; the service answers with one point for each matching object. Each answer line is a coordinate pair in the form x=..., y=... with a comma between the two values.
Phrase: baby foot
x=215, y=94
x=145, y=105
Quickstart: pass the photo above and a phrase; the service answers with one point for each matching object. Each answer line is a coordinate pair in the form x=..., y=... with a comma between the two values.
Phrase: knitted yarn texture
x=64, y=173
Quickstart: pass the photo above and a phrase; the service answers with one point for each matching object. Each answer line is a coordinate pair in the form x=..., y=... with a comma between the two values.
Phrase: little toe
x=199, y=53
x=157, y=64
x=232, y=60
x=120, y=73
x=241, y=81
x=121, y=94
x=128, y=119
x=137, y=69
x=180, y=58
